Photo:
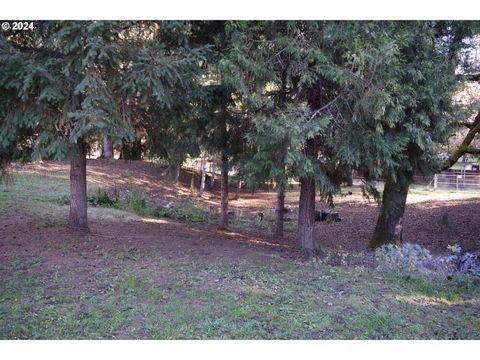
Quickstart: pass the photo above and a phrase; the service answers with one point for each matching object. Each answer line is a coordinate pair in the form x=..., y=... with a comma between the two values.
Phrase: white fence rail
x=456, y=182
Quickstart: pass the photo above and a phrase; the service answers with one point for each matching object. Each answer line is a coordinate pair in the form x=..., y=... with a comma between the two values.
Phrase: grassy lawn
x=33, y=194
x=240, y=300
x=147, y=295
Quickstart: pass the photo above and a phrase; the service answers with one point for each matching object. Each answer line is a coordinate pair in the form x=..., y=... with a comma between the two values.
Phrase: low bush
x=98, y=198
x=101, y=198
x=413, y=257
x=406, y=256
x=136, y=202
x=189, y=212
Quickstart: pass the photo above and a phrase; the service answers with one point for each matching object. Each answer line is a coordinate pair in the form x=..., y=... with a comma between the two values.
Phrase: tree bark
x=306, y=209
x=237, y=190
x=212, y=171
x=306, y=217
x=107, y=147
x=202, y=179
x=465, y=147
x=389, y=226
x=349, y=177
x=224, y=193
x=279, y=213
x=78, y=188
x=177, y=173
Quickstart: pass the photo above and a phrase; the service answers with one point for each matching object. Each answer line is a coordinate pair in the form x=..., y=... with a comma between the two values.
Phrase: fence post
x=435, y=182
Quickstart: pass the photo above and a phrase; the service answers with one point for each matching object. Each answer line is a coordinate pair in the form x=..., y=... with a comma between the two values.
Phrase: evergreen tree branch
x=36, y=50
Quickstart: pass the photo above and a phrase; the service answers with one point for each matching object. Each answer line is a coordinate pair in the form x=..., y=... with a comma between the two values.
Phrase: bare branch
x=472, y=150
x=465, y=147
x=315, y=113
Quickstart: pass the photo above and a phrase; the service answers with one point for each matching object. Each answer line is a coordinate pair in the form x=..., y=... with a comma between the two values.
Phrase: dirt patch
x=111, y=245
x=433, y=224
x=129, y=241
x=433, y=221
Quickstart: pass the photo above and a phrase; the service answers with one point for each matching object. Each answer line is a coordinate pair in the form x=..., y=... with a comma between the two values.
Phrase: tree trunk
x=237, y=190
x=78, y=188
x=306, y=208
x=349, y=177
x=131, y=150
x=177, y=173
x=224, y=193
x=389, y=223
x=36, y=156
x=306, y=217
x=212, y=171
x=280, y=211
x=202, y=179
x=107, y=148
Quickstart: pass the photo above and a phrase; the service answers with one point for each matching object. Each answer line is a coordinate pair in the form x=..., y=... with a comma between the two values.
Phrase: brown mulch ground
x=81, y=257
x=422, y=225
x=432, y=222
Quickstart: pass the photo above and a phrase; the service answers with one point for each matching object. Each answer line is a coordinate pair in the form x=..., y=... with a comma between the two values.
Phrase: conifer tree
x=273, y=58
x=392, y=130
x=221, y=122
x=290, y=82
x=70, y=81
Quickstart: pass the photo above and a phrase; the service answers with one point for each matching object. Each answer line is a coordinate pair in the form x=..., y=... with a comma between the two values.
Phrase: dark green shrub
x=101, y=198
x=189, y=212
x=137, y=203
x=64, y=200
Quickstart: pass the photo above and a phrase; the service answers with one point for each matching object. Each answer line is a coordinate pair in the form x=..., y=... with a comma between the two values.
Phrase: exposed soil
x=82, y=256
x=432, y=222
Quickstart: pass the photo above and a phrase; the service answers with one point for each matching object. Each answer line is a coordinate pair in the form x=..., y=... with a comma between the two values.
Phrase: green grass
x=193, y=299
x=47, y=198
x=447, y=291
x=32, y=193
x=132, y=293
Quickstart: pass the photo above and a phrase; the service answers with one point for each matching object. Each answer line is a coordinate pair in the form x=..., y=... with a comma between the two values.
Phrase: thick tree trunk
x=78, y=188
x=202, y=179
x=306, y=209
x=107, y=147
x=389, y=226
x=306, y=217
x=224, y=193
x=279, y=214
